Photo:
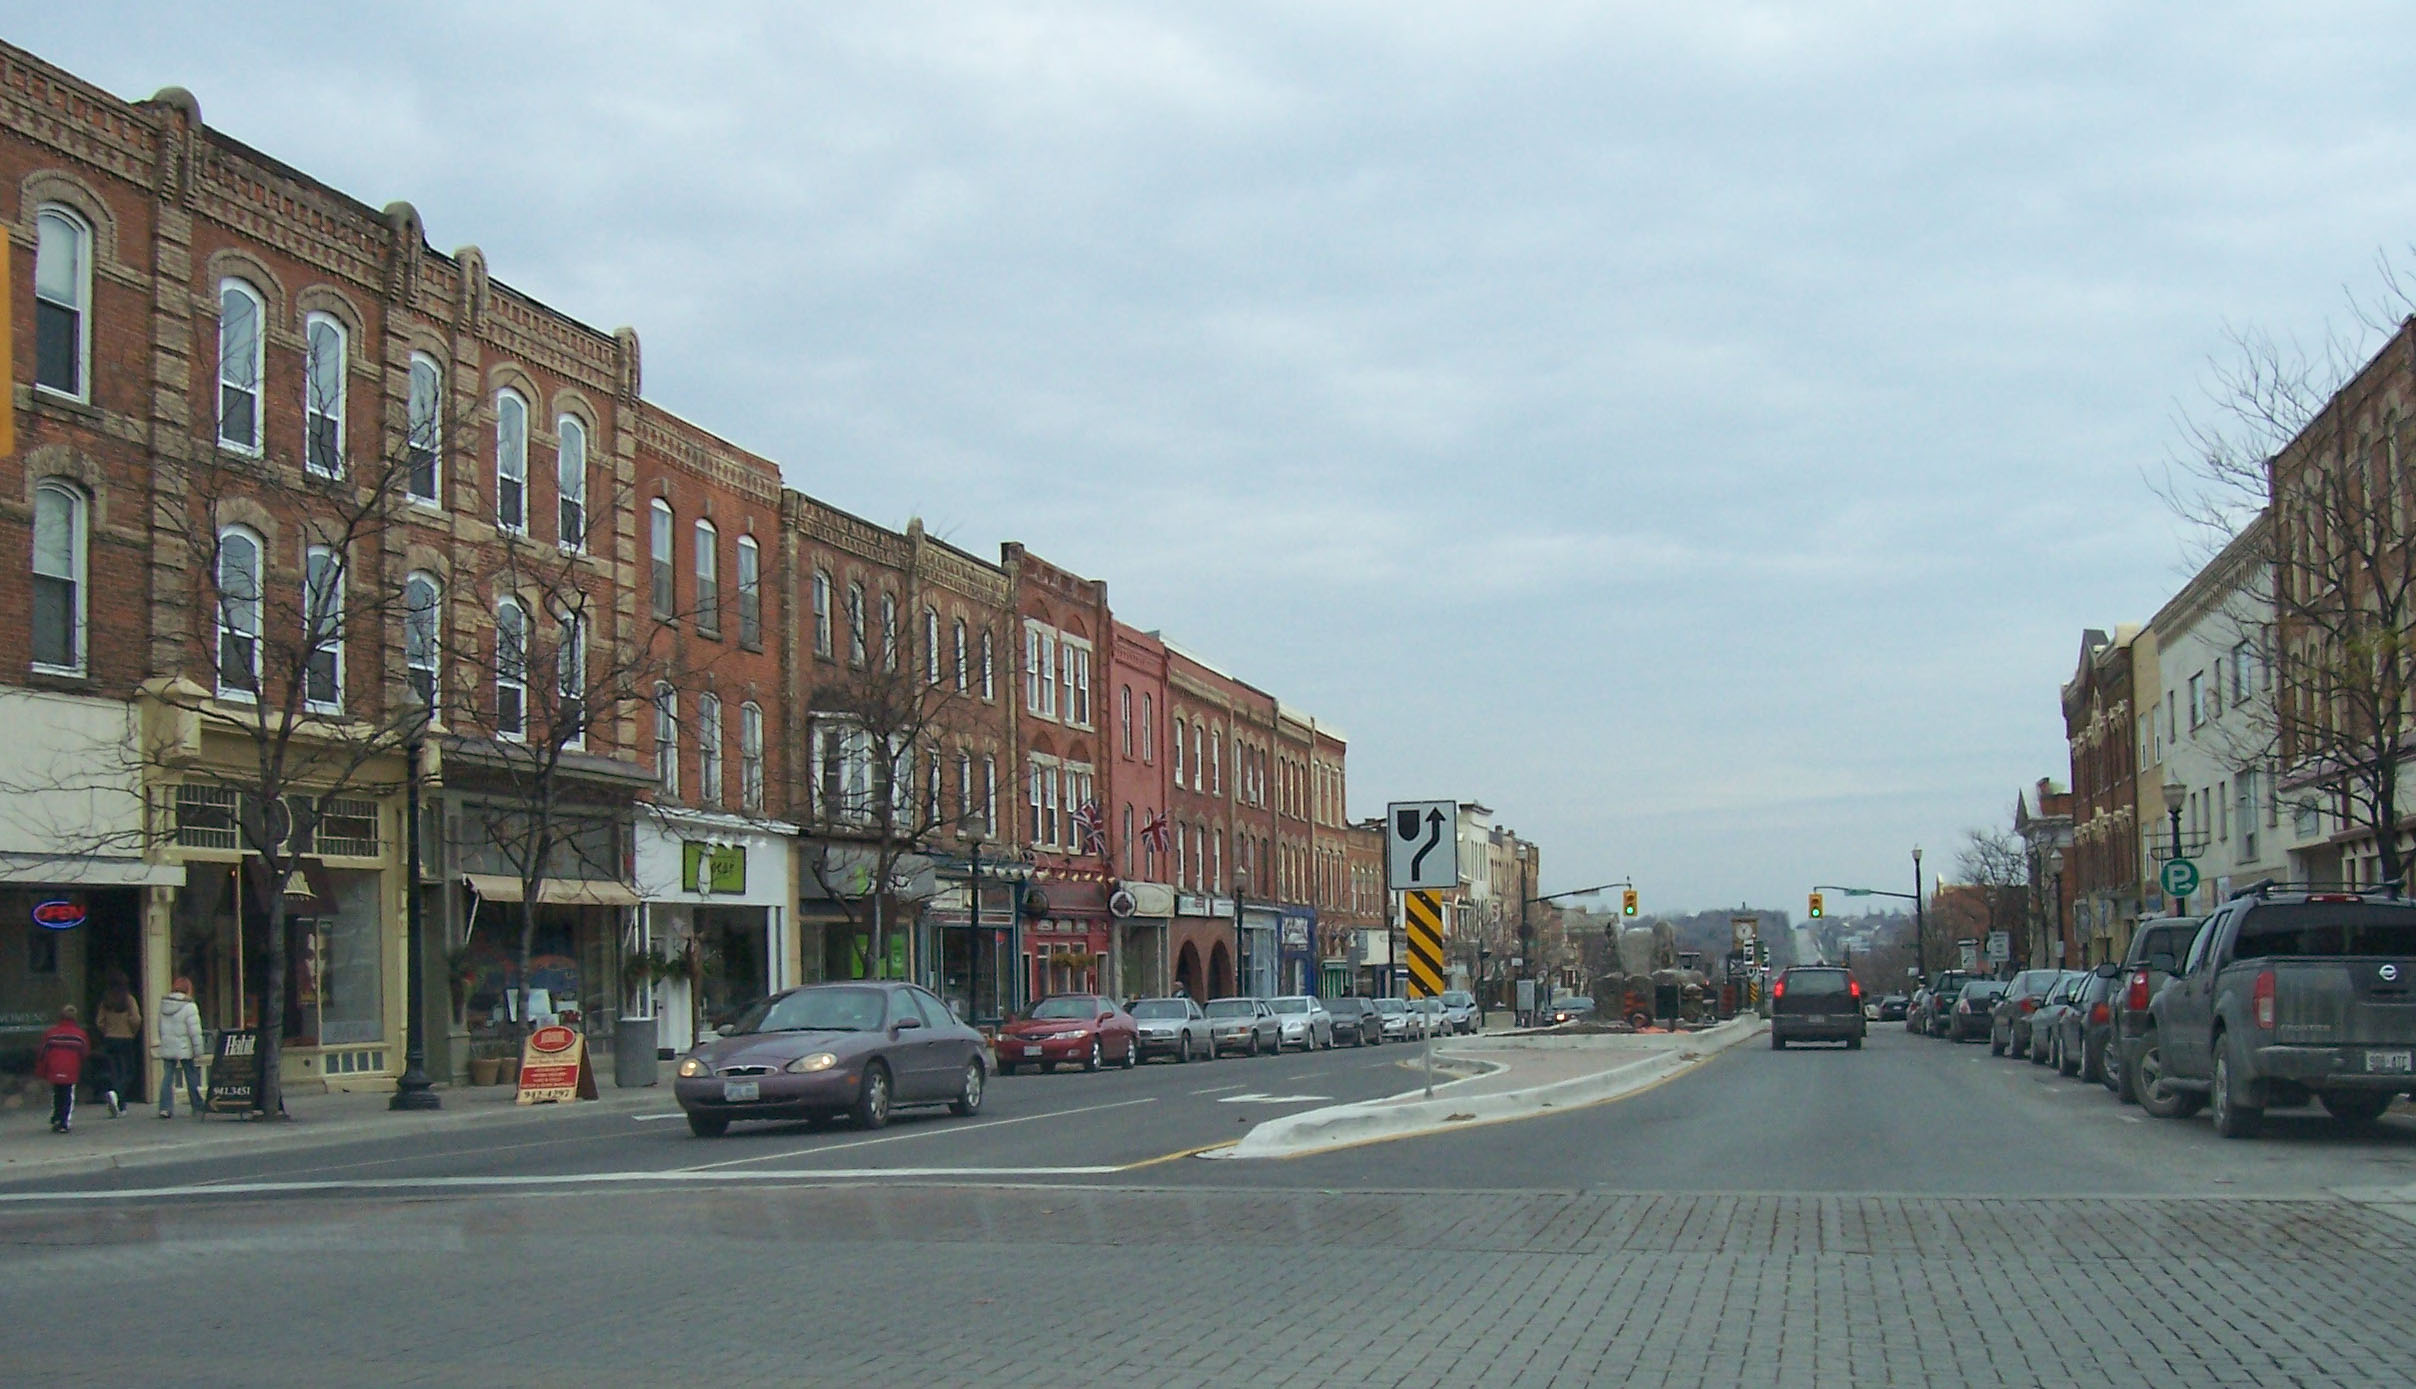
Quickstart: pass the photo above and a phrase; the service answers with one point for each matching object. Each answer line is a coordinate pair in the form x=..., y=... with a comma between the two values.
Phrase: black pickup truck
x=2287, y=995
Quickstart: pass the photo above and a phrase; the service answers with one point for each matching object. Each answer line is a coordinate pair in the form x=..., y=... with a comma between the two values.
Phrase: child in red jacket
x=60, y=1060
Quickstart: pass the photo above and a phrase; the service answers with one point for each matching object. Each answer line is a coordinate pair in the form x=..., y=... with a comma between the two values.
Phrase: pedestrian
x=60, y=1060
x=119, y=1022
x=177, y=1043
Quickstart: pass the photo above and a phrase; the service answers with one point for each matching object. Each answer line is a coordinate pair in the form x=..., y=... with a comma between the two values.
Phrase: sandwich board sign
x=1422, y=846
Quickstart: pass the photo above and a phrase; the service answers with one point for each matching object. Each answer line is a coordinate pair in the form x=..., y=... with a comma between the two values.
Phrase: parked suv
x=1816, y=1003
x=2288, y=996
x=2157, y=949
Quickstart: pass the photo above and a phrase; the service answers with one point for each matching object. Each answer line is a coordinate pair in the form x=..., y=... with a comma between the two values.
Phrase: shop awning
x=554, y=892
x=69, y=870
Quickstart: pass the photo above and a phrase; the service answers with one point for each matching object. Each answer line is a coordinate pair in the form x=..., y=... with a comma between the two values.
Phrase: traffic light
x=1816, y=905
x=1627, y=902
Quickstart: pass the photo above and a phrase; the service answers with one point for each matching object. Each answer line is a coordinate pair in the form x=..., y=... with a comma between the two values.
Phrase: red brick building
x=1137, y=795
x=1062, y=620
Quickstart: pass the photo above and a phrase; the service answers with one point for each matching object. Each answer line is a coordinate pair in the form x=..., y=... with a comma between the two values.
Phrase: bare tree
x=1992, y=863
x=2295, y=468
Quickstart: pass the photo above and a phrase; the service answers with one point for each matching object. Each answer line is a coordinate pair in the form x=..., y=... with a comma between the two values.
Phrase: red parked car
x=1084, y=1029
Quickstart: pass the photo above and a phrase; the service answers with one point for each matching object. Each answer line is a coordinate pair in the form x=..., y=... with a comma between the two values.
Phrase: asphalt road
x=1915, y=1213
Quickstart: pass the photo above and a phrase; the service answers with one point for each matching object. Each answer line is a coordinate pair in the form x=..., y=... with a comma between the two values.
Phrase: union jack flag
x=1088, y=838
x=1158, y=834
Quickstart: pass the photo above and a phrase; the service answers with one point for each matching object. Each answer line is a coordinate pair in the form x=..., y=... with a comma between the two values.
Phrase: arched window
x=239, y=590
x=570, y=681
x=822, y=613
x=855, y=624
x=570, y=482
x=889, y=631
x=658, y=547
x=961, y=672
x=62, y=301
x=750, y=758
x=511, y=462
x=1174, y=749
x=708, y=750
x=59, y=539
x=426, y=439
x=323, y=629
x=1131, y=862
x=750, y=594
x=422, y=639
x=1199, y=756
x=323, y=395
x=1124, y=717
x=240, y=315
x=708, y=579
x=989, y=668
x=931, y=646
x=666, y=738
x=511, y=670
x=1216, y=761
x=964, y=783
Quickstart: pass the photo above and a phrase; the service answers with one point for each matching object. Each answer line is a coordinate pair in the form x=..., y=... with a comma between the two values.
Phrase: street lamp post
x=1920, y=931
x=1241, y=879
x=975, y=829
x=2175, y=795
x=2055, y=904
x=414, y=1090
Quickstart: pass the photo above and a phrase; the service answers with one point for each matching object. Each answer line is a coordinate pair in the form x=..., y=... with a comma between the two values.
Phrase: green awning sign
x=712, y=869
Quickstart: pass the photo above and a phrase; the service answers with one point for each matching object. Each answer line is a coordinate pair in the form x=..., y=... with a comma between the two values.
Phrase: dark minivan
x=1816, y=1003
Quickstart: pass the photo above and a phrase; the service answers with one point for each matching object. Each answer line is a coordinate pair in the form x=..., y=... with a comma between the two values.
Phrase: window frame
x=226, y=624
x=750, y=757
x=231, y=287
x=315, y=408
x=889, y=632
x=662, y=559
x=666, y=739
x=750, y=593
x=989, y=666
x=931, y=646
x=570, y=484
x=79, y=544
x=82, y=243
x=511, y=461
x=859, y=650
x=704, y=538
x=825, y=644
x=432, y=444
x=511, y=667
x=327, y=636
x=424, y=625
x=963, y=675
x=708, y=749
x=570, y=677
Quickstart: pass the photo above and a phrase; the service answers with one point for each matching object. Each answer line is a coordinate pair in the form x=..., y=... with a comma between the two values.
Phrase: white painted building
x=720, y=887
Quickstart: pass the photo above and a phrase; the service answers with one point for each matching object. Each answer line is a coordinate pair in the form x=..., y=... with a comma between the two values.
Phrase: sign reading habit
x=553, y=1067
x=234, y=1070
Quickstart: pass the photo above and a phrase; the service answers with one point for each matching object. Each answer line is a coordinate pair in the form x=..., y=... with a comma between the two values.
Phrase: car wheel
x=2038, y=1048
x=872, y=1101
x=2233, y=1117
x=1777, y=1043
x=1253, y=1044
x=1132, y=1053
x=2354, y=1106
x=1091, y=1062
x=1995, y=1047
x=708, y=1125
x=2065, y=1062
x=1854, y=1043
x=968, y=1095
x=2158, y=1098
x=1182, y=1050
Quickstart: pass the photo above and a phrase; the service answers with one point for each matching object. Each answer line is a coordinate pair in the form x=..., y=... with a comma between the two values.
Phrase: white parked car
x=1400, y=1024
x=1459, y=1009
x=1306, y=1023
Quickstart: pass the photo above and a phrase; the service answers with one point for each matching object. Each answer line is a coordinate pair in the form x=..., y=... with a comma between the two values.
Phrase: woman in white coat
x=176, y=1041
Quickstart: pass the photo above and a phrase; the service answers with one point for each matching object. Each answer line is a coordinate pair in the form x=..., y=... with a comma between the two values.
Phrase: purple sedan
x=831, y=1049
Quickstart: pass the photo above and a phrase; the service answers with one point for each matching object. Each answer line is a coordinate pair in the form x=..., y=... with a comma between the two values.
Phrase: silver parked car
x=1398, y=1023
x=1174, y=1027
x=1459, y=1008
x=1246, y=1025
x=1430, y=1012
x=1305, y=1022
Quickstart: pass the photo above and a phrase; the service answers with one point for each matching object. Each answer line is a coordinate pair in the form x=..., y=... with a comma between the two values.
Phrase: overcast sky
x=1700, y=432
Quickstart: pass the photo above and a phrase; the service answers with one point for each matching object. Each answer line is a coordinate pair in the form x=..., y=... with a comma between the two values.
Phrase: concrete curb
x=1400, y=1116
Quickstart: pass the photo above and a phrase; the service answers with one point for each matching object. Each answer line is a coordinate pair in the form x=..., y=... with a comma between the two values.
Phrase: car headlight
x=808, y=1064
x=691, y=1067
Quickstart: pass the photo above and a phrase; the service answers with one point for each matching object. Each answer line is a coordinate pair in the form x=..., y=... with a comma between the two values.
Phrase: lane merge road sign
x=1422, y=846
x=2178, y=877
x=1422, y=916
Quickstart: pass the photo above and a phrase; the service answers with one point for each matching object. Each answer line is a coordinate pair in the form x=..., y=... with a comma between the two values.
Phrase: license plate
x=1031, y=1051
x=735, y=1091
x=2390, y=1061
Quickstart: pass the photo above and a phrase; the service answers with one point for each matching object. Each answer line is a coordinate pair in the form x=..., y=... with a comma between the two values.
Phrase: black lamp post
x=2175, y=796
x=975, y=829
x=1241, y=948
x=1920, y=927
x=414, y=1090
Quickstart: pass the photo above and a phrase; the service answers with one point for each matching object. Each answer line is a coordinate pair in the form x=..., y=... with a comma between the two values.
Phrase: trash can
x=633, y=1053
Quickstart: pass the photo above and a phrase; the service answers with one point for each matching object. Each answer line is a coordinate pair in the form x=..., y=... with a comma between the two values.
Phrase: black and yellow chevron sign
x=1423, y=912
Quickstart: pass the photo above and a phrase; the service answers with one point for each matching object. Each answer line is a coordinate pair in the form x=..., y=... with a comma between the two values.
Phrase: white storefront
x=716, y=902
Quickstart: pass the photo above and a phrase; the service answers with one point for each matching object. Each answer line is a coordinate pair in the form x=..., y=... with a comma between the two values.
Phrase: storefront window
x=351, y=993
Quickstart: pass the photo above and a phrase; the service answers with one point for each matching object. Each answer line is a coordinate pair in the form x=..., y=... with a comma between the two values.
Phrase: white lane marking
x=918, y=1133
x=1273, y=1099
x=1216, y=1089
x=379, y=1184
x=652, y=1118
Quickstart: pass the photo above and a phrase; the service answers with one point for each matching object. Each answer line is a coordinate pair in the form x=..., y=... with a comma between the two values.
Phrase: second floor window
x=421, y=633
x=239, y=589
x=239, y=366
x=1174, y=749
x=855, y=624
x=58, y=576
x=931, y=647
x=708, y=579
x=889, y=631
x=961, y=671
x=666, y=739
x=750, y=759
x=989, y=672
x=62, y=301
x=323, y=629
x=426, y=440
x=570, y=681
x=323, y=395
x=1149, y=728
x=822, y=613
x=1124, y=718
x=570, y=483
x=511, y=462
x=511, y=671
x=708, y=750
x=750, y=594
x=1077, y=684
x=659, y=546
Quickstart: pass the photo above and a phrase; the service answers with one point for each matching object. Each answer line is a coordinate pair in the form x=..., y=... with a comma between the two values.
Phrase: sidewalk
x=28, y=1147
x=1519, y=1076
